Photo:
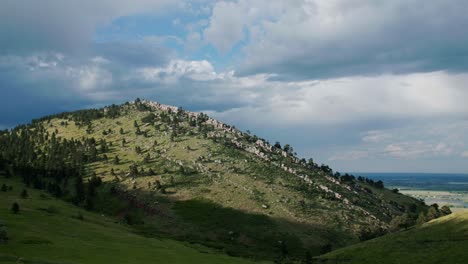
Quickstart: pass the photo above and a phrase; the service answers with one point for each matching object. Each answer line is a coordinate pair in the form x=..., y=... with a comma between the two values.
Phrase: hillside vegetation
x=176, y=174
x=47, y=230
x=443, y=240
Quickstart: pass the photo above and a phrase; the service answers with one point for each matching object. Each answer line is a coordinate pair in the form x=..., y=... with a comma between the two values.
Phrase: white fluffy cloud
x=352, y=99
x=375, y=136
x=194, y=70
x=350, y=80
x=336, y=38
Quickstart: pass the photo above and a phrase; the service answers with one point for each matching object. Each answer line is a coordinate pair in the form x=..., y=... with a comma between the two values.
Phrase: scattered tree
x=3, y=233
x=401, y=221
x=24, y=194
x=15, y=208
x=421, y=219
x=79, y=190
x=433, y=212
x=147, y=158
x=445, y=210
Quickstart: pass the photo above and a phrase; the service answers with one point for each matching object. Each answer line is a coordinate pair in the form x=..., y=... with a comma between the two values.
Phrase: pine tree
x=421, y=219
x=15, y=208
x=157, y=185
x=147, y=158
x=24, y=194
x=79, y=190
x=445, y=210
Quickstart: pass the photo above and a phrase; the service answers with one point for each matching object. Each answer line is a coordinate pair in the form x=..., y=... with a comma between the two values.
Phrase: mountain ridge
x=183, y=163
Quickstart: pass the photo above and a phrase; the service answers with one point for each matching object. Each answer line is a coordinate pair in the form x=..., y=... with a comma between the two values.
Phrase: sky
x=361, y=85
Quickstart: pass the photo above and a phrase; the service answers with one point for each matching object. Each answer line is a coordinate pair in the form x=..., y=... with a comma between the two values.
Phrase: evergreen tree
x=3, y=233
x=421, y=219
x=172, y=181
x=147, y=158
x=24, y=194
x=445, y=210
x=308, y=258
x=79, y=190
x=15, y=208
x=134, y=170
x=137, y=149
x=433, y=212
x=401, y=221
x=157, y=184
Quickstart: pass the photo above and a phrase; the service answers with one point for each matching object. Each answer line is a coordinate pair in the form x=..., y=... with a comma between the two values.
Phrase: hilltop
x=182, y=175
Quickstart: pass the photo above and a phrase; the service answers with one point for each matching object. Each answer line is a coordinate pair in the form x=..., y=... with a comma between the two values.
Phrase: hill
x=443, y=240
x=182, y=175
x=48, y=230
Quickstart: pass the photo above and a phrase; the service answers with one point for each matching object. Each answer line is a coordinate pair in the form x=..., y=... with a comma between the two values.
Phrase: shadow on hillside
x=232, y=231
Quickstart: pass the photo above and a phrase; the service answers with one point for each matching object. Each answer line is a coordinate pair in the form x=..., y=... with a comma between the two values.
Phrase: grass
x=232, y=190
x=442, y=240
x=47, y=230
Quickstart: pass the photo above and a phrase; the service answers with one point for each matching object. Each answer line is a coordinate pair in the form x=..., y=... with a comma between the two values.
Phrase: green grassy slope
x=217, y=185
x=443, y=240
x=47, y=231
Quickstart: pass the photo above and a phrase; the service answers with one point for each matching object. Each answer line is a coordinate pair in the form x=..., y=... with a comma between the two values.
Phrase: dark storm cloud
x=61, y=25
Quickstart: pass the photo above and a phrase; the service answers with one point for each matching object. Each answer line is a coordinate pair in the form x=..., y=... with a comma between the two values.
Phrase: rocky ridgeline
x=260, y=149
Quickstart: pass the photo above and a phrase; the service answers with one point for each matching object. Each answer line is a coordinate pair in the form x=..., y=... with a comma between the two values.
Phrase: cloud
x=91, y=77
x=147, y=51
x=351, y=99
x=353, y=83
x=438, y=140
x=465, y=154
x=62, y=25
x=194, y=70
x=317, y=39
x=351, y=155
x=417, y=149
x=375, y=136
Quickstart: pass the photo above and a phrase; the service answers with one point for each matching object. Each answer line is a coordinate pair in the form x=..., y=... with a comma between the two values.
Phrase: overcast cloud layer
x=360, y=85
